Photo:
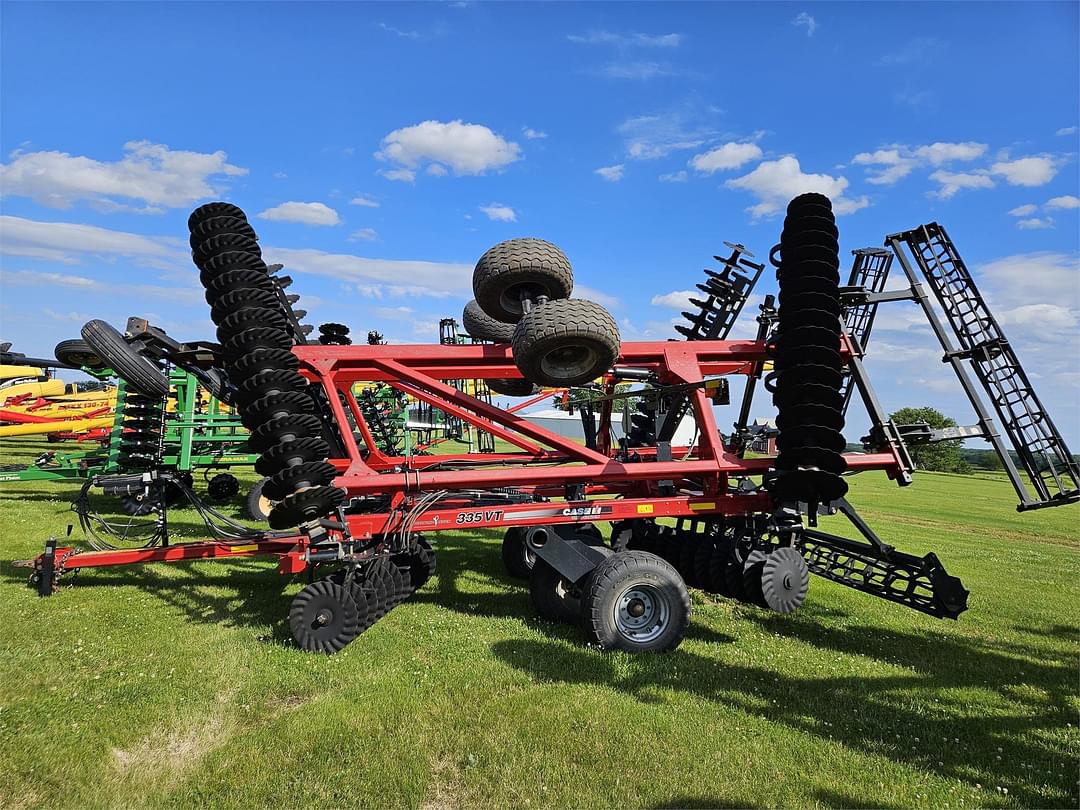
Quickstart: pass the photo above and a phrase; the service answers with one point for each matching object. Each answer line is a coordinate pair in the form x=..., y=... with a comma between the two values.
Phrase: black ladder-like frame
x=1051, y=469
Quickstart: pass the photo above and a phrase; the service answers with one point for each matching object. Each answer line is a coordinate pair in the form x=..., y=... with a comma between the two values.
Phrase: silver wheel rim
x=641, y=613
x=569, y=360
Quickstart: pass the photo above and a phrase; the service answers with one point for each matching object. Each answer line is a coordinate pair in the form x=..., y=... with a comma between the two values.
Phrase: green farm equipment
x=188, y=432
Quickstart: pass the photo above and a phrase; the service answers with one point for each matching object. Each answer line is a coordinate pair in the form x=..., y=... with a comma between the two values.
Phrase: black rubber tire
x=555, y=599
x=514, y=388
x=532, y=266
x=615, y=579
x=258, y=507
x=78, y=354
x=565, y=343
x=329, y=600
x=482, y=326
x=517, y=557
x=138, y=372
x=223, y=487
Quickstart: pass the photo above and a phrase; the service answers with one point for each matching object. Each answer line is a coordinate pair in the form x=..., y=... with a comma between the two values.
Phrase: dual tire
x=522, y=290
x=632, y=601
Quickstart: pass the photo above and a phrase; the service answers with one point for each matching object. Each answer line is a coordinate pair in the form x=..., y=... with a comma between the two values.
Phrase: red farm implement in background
x=356, y=516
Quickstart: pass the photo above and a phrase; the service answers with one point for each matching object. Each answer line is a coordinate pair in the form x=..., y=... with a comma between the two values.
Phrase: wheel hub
x=641, y=613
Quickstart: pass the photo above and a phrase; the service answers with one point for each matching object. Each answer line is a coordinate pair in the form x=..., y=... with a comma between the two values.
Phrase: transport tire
x=636, y=602
x=482, y=326
x=258, y=505
x=520, y=269
x=323, y=617
x=514, y=388
x=555, y=598
x=77, y=353
x=518, y=559
x=139, y=372
x=565, y=343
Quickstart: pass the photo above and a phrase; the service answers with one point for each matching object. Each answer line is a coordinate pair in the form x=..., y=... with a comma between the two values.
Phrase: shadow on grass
x=924, y=718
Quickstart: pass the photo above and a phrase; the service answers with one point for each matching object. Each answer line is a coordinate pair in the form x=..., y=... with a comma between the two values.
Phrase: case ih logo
x=582, y=511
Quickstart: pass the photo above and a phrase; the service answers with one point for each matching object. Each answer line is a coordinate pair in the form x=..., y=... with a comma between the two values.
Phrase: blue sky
x=380, y=149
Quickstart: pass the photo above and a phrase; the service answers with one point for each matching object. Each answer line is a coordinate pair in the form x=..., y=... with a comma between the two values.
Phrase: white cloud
x=364, y=235
x=1024, y=210
x=675, y=177
x=636, y=70
x=1040, y=317
x=533, y=134
x=1035, y=224
x=728, y=156
x=499, y=213
x=952, y=182
x=468, y=149
x=656, y=135
x=1066, y=202
x=677, y=299
x=775, y=182
x=149, y=172
x=613, y=174
x=1066, y=131
x=401, y=175
x=436, y=170
x=1032, y=278
x=71, y=243
x=364, y=200
x=378, y=276
x=1027, y=171
x=805, y=20
x=643, y=40
x=593, y=294
x=895, y=162
x=306, y=213
x=395, y=313
x=939, y=153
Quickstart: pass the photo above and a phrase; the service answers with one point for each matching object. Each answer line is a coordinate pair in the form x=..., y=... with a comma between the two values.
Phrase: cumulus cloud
x=1066, y=131
x=893, y=163
x=364, y=235
x=1026, y=171
x=533, y=134
x=677, y=299
x=1024, y=210
x=467, y=149
x=624, y=40
x=1066, y=202
x=152, y=173
x=949, y=183
x=775, y=182
x=364, y=200
x=728, y=156
x=804, y=20
x=613, y=174
x=306, y=213
x=1035, y=224
x=401, y=175
x=499, y=213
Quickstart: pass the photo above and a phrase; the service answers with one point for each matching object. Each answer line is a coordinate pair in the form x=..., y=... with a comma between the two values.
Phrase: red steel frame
x=545, y=463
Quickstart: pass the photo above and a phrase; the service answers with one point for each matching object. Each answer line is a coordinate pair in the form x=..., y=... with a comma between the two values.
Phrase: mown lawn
x=180, y=686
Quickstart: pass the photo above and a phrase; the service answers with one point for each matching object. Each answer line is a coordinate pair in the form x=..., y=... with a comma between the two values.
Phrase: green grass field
x=180, y=686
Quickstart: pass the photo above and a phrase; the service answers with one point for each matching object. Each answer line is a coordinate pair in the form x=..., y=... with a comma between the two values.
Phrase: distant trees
x=939, y=456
